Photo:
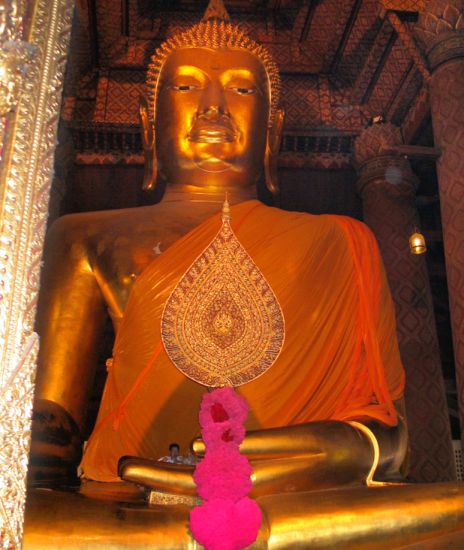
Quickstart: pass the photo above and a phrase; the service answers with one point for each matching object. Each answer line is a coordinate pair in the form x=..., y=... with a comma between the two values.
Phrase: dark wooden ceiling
x=342, y=61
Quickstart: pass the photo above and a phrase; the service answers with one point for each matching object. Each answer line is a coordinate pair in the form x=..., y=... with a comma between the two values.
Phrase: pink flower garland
x=227, y=519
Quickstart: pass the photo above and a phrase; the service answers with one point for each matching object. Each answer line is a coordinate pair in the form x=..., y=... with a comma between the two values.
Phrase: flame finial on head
x=226, y=210
x=216, y=10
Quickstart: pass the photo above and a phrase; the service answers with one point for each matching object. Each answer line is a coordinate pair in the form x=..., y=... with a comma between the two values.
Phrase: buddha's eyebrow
x=239, y=71
x=187, y=70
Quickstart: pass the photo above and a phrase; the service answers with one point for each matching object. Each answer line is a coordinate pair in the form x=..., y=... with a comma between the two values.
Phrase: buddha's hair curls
x=216, y=34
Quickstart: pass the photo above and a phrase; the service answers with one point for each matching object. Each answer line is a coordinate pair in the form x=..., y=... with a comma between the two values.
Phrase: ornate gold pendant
x=222, y=324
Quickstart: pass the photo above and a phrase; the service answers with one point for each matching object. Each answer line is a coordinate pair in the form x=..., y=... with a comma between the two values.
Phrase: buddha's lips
x=207, y=131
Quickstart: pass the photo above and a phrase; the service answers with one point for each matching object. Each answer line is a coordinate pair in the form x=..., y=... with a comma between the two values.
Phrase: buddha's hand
x=56, y=446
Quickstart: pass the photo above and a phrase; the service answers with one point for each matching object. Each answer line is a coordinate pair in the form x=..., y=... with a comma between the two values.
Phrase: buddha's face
x=211, y=118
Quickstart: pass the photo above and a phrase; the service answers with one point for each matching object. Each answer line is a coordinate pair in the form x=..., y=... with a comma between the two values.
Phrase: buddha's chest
x=120, y=260
x=121, y=256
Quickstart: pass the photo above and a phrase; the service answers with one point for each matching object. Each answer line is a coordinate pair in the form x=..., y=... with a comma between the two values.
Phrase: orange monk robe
x=339, y=361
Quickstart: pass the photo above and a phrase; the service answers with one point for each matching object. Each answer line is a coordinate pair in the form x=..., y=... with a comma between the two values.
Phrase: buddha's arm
x=293, y=458
x=338, y=442
x=70, y=320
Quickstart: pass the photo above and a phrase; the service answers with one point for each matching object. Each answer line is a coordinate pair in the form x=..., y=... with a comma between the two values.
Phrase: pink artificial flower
x=227, y=519
x=223, y=473
x=222, y=405
x=225, y=525
x=226, y=433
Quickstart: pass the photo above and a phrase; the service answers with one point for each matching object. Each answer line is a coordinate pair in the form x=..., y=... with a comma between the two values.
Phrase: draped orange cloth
x=340, y=359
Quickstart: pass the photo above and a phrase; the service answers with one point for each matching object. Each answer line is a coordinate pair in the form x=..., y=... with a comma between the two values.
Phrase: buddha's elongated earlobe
x=274, y=138
x=149, y=146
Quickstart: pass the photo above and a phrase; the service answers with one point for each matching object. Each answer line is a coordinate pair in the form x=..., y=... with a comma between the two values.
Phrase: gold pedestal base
x=411, y=516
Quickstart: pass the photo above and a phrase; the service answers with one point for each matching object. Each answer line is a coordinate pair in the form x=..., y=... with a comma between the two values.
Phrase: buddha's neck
x=193, y=194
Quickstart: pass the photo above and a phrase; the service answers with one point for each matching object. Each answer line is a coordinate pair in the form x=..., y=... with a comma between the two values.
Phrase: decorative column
x=441, y=29
x=34, y=38
x=387, y=187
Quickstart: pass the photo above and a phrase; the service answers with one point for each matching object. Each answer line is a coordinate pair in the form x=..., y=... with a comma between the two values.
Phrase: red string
x=120, y=412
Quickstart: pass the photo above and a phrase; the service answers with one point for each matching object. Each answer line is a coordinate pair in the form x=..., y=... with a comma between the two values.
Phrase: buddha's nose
x=213, y=103
x=212, y=112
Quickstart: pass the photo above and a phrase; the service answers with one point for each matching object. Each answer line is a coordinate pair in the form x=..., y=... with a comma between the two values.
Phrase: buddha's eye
x=184, y=87
x=241, y=90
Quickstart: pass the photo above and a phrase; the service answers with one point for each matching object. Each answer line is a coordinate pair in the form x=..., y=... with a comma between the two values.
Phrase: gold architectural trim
x=28, y=143
x=157, y=498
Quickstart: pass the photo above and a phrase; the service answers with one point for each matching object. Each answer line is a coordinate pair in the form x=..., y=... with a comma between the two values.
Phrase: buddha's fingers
x=162, y=476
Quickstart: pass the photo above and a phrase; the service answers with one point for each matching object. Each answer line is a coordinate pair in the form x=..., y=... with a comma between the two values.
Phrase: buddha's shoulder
x=85, y=227
x=346, y=224
x=322, y=222
x=309, y=231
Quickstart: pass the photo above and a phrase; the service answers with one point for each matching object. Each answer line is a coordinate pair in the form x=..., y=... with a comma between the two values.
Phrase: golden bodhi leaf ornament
x=222, y=324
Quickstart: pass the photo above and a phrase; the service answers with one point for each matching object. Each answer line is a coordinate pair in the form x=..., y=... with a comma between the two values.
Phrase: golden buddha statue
x=328, y=412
